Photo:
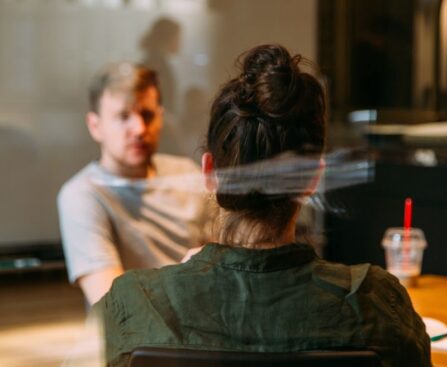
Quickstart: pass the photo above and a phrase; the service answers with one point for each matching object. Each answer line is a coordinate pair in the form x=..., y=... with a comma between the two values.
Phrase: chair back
x=157, y=357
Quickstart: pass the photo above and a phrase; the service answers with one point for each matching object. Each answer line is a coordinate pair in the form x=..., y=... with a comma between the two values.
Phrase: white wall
x=49, y=51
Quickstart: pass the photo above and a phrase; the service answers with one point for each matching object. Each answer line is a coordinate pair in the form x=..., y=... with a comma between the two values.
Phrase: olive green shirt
x=277, y=300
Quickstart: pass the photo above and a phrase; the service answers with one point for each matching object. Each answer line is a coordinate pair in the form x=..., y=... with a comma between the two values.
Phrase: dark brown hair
x=125, y=77
x=271, y=108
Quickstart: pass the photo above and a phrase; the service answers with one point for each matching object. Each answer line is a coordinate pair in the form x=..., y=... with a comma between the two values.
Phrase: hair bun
x=269, y=80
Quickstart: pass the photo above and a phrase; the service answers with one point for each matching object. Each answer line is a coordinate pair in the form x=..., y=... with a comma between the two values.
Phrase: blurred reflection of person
x=111, y=219
x=161, y=41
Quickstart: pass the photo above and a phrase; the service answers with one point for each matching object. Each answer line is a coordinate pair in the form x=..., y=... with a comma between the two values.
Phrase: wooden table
x=42, y=317
x=429, y=299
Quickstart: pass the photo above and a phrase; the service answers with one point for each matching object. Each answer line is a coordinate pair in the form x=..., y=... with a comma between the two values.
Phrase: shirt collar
x=252, y=260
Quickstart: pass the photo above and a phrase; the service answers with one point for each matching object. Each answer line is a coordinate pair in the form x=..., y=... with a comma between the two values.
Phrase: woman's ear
x=208, y=172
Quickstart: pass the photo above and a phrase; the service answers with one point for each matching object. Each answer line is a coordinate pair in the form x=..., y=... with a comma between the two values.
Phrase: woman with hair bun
x=254, y=288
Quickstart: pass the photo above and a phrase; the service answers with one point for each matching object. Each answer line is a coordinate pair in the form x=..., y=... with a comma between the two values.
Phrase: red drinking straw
x=408, y=212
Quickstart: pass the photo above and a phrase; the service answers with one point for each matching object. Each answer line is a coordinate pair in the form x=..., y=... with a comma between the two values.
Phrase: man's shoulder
x=171, y=164
x=79, y=184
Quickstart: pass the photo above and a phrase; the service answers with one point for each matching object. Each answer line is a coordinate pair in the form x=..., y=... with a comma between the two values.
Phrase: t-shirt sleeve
x=87, y=232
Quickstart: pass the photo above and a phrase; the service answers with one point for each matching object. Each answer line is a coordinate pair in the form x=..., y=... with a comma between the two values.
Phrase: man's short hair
x=124, y=77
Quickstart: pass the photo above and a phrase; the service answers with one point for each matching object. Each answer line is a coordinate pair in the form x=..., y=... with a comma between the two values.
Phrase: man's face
x=128, y=130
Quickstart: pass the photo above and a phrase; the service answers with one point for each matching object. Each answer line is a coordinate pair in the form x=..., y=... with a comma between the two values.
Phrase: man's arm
x=92, y=259
x=96, y=284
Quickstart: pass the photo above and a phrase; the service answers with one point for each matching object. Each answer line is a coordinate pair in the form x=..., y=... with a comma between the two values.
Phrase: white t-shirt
x=107, y=220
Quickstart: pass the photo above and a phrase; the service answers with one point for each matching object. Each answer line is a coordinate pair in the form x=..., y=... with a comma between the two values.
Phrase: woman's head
x=272, y=107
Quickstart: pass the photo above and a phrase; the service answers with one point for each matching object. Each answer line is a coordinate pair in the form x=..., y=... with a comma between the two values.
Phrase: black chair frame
x=158, y=357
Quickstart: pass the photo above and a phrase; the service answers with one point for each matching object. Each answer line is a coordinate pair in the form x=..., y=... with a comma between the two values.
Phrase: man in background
x=113, y=214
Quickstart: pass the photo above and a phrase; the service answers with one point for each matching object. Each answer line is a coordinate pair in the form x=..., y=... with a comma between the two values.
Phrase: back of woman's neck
x=257, y=239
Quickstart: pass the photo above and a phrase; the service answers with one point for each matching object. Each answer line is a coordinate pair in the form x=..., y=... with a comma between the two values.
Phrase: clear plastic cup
x=404, y=250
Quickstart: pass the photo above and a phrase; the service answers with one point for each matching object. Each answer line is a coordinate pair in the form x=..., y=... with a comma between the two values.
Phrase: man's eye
x=147, y=115
x=124, y=116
